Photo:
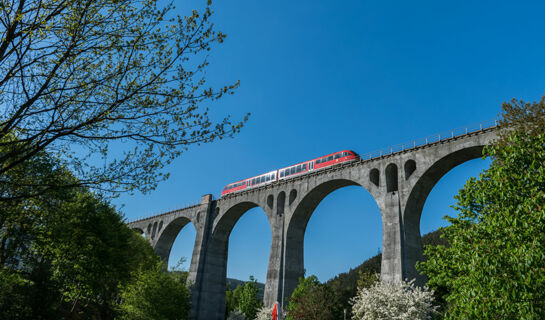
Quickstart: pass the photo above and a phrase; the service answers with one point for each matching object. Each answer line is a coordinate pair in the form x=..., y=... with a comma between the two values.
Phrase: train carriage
x=315, y=164
x=291, y=171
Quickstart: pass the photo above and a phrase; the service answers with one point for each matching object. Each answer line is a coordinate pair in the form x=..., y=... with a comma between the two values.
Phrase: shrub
x=393, y=301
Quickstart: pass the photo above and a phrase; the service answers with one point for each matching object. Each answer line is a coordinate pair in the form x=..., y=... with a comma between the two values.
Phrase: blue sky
x=324, y=76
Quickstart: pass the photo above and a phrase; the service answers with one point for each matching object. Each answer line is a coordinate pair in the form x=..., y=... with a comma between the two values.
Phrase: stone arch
x=374, y=177
x=391, y=178
x=410, y=167
x=293, y=196
x=280, y=203
x=270, y=201
x=154, y=230
x=417, y=198
x=166, y=239
x=296, y=227
x=212, y=305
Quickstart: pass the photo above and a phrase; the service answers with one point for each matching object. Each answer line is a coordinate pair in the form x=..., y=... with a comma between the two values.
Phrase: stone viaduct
x=399, y=180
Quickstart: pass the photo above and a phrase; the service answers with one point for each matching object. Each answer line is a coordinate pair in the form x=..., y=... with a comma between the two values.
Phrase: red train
x=291, y=171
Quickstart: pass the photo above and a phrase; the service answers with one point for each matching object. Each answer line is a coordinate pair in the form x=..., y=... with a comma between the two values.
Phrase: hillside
x=345, y=284
x=232, y=284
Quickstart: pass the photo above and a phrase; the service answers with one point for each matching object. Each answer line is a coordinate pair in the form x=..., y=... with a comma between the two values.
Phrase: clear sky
x=323, y=76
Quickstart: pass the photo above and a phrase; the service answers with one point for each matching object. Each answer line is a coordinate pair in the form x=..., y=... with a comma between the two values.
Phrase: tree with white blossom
x=265, y=313
x=393, y=301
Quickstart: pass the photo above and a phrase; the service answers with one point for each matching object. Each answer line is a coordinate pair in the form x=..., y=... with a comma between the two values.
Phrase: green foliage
x=313, y=300
x=155, y=295
x=101, y=74
x=367, y=279
x=249, y=302
x=232, y=299
x=245, y=298
x=345, y=285
x=493, y=268
x=65, y=254
x=13, y=291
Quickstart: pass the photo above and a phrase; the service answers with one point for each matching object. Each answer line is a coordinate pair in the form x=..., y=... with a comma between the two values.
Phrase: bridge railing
x=431, y=139
x=186, y=206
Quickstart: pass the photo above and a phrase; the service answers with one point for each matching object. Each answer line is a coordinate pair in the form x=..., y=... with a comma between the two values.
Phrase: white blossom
x=265, y=313
x=393, y=301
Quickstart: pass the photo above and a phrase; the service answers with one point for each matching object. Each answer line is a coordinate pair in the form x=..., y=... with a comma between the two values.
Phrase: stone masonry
x=399, y=182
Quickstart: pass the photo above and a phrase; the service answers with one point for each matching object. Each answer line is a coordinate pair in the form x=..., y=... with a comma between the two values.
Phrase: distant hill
x=345, y=284
x=234, y=283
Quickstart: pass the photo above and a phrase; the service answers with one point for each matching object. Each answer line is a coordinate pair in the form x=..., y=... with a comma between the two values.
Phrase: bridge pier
x=399, y=182
x=392, y=264
x=198, y=260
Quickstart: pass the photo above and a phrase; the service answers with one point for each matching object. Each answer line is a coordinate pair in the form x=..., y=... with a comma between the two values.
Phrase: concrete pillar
x=200, y=258
x=274, y=285
x=392, y=267
x=211, y=304
x=294, y=265
x=413, y=247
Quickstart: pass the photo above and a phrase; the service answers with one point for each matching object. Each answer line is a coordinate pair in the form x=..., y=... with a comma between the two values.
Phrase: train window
x=272, y=176
x=300, y=168
x=304, y=167
x=329, y=158
x=262, y=179
x=292, y=170
x=267, y=178
x=338, y=155
x=282, y=174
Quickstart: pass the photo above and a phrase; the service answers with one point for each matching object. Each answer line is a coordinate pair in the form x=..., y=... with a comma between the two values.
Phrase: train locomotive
x=291, y=171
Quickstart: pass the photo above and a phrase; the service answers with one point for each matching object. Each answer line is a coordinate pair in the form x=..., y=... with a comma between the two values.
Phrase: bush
x=393, y=301
x=156, y=295
x=313, y=300
x=265, y=313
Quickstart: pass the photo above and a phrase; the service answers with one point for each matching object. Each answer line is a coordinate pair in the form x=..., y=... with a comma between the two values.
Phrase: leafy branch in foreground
x=114, y=87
